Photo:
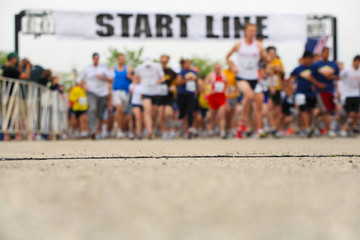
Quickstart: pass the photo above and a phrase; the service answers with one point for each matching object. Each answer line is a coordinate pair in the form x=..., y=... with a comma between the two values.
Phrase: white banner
x=126, y=25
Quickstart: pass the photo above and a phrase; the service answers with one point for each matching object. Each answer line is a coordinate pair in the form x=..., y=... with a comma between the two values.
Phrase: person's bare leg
x=138, y=121
x=305, y=120
x=326, y=119
x=83, y=122
x=169, y=112
x=354, y=119
x=248, y=97
x=147, y=105
x=212, y=119
x=118, y=116
x=162, y=118
x=154, y=110
x=222, y=117
x=259, y=99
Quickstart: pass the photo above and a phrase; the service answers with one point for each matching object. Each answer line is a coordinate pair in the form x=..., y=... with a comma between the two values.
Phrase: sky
x=64, y=55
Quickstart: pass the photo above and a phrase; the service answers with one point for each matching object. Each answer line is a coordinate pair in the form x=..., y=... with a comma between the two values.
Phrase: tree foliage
x=3, y=58
x=204, y=65
x=133, y=57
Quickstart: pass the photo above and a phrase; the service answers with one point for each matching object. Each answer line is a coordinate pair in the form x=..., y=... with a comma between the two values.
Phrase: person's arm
x=180, y=80
x=130, y=73
x=161, y=74
x=108, y=76
x=26, y=74
x=313, y=80
x=232, y=67
x=234, y=49
x=317, y=83
x=272, y=85
x=279, y=69
x=290, y=82
x=332, y=77
x=203, y=83
x=263, y=53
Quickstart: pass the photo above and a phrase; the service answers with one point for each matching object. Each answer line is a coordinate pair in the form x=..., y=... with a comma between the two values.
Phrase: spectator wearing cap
x=95, y=79
x=11, y=70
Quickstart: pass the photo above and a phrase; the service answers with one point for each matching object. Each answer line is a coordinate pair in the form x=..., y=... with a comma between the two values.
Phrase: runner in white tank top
x=249, y=51
x=248, y=61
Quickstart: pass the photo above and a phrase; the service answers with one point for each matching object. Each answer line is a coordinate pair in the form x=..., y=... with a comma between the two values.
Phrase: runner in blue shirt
x=305, y=95
x=324, y=73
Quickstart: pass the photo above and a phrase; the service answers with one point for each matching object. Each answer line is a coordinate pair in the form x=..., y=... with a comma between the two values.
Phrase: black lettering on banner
x=240, y=27
x=260, y=25
x=209, y=27
x=109, y=28
x=142, y=18
x=226, y=27
x=125, y=24
x=160, y=25
x=183, y=24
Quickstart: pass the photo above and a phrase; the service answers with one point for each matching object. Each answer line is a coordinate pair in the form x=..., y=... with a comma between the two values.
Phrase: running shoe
x=343, y=134
x=332, y=134
x=165, y=136
x=120, y=134
x=223, y=135
x=131, y=136
x=261, y=133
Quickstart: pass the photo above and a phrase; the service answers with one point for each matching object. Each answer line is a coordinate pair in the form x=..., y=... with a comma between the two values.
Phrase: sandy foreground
x=181, y=189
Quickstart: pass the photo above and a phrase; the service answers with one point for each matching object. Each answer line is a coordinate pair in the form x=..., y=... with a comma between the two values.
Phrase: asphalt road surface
x=181, y=189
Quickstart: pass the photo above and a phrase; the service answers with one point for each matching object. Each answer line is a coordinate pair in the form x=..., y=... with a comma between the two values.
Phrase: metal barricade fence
x=29, y=108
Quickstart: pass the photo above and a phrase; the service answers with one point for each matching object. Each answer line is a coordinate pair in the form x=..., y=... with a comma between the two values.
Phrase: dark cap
x=308, y=54
x=95, y=55
x=12, y=55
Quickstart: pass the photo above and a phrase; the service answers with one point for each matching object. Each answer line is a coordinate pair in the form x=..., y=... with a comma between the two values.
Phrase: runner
x=265, y=74
x=217, y=98
x=275, y=86
x=150, y=74
x=203, y=109
x=120, y=94
x=186, y=83
x=324, y=73
x=305, y=95
x=137, y=108
x=166, y=99
x=249, y=51
x=95, y=78
x=77, y=97
x=350, y=96
x=232, y=95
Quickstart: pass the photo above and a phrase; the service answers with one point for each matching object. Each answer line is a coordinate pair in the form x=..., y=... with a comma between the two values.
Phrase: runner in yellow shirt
x=232, y=95
x=77, y=97
x=275, y=87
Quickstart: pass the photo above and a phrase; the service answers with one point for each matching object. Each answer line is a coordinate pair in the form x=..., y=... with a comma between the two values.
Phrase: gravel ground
x=244, y=189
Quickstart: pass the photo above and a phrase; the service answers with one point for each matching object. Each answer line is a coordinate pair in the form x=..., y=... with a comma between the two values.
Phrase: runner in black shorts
x=166, y=99
x=350, y=79
x=249, y=52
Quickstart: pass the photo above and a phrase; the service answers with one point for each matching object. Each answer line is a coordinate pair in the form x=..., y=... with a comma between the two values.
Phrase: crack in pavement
x=176, y=157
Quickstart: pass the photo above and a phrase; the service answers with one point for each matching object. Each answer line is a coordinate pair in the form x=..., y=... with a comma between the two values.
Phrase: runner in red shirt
x=217, y=98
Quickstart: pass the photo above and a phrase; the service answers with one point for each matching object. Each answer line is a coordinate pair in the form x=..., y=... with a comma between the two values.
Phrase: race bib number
x=219, y=87
x=190, y=86
x=163, y=90
x=250, y=66
x=82, y=101
x=300, y=99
